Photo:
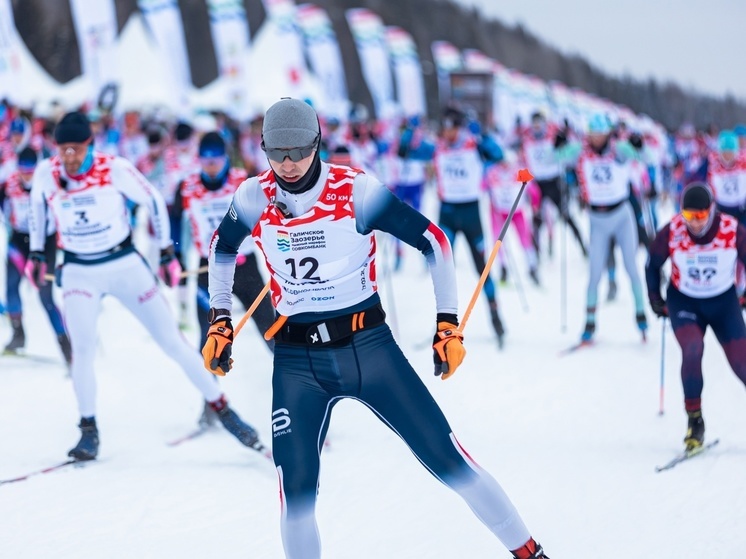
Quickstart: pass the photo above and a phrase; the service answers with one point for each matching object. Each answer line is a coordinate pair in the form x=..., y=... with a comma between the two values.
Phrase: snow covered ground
x=573, y=440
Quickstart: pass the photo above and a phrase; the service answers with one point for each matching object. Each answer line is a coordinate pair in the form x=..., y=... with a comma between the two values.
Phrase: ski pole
x=251, y=309
x=518, y=281
x=197, y=272
x=182, y=275
x=563, y=257
x=524, y=176
x=663, y=365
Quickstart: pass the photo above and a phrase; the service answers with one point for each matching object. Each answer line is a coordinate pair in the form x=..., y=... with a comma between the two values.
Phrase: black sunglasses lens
x=295, y=154
x=301, y=153
x=276, y=154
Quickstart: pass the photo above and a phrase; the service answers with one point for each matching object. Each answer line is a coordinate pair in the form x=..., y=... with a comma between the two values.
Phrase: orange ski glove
x=218, y=346
x=448, y=347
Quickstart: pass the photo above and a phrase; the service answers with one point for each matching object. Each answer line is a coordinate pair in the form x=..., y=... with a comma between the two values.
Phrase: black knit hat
x=453, y=117
x=73, y=128
x=183, y=131
x=696, y=196
x=155, y=135
x=27, y=157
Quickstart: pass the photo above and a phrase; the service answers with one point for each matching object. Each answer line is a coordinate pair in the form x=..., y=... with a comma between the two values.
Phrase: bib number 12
x=308, y=265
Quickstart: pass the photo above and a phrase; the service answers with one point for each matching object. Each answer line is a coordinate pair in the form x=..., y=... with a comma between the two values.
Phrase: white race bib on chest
x=318, y=261
x=703, y=270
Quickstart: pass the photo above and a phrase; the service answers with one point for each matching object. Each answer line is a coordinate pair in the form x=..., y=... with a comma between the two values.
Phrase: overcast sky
x=696, y=43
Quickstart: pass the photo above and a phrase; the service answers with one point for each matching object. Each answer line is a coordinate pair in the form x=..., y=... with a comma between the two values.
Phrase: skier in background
x=641, y=193
x=85, y=192
x=181, y=161
x=459, y=156
x=499, y=179
x=204, y=198
x=704, y=246
x=726, y=173
x=604, y=175
x=19, y=137
x=538, y=144
x=691, y=159
x=16, y=198
x=410, y=177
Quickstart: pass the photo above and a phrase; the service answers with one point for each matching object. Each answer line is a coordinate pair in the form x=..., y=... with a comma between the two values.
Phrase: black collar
x=306, y=182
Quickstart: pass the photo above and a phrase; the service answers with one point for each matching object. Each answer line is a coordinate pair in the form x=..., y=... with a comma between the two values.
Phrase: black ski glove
x=659, y=307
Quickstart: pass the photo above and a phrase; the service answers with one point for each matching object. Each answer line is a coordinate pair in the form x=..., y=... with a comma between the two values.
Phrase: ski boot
x=642, y=324
x=87, y=447
x=67, y=350
x=611, y=295
x=208, y=418
x=530, y=550
x=18, y=341
x=695, y=432
x=503, y=275
x=235, y=425
x=587, y=336
x=497, y=324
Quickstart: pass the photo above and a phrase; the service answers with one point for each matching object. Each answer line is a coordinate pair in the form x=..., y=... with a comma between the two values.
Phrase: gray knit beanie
x=290, y=123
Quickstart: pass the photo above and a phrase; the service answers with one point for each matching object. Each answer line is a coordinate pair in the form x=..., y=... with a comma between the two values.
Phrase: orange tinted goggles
x=689, y=215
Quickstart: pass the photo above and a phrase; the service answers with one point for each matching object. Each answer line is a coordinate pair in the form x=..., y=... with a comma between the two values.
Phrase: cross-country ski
x=686, y=455
x=72, y=462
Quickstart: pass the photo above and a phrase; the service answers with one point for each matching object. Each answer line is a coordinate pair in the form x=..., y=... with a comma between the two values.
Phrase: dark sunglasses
x=295, y=154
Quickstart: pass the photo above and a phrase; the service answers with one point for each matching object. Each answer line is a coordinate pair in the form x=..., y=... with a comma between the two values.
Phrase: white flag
x=370, y=38
x=10, y=72
x=325, y=59
x=96, y=29
x=163, y=19
x=282, y=38
x=447, y=59
x=410, y=87
x=230, y=37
